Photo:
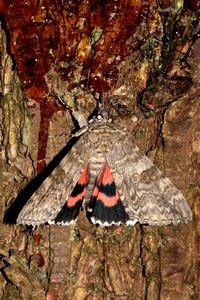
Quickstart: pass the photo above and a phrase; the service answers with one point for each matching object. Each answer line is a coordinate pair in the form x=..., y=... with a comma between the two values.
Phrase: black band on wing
x=68, y=214
x=78, y=190
x=103, y=214
x=108, y=190
x=70, y=210
x=105, y=207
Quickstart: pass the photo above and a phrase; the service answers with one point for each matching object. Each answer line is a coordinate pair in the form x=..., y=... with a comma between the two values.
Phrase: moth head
x=102, y=116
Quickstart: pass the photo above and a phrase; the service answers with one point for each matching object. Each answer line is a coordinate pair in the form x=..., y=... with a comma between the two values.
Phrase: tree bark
x=160, y=108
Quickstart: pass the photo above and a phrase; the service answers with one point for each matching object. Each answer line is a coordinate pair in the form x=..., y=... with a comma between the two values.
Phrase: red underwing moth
x=105, y=174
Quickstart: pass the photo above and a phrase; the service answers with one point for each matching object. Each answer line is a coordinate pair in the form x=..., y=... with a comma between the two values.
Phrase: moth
x=106, y=175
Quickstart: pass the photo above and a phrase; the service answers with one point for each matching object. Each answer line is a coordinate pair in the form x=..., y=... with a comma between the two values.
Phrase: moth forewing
x=46, y=202
x=148, y=196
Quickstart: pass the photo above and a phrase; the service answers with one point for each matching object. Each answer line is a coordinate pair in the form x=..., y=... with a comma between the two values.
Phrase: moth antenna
x=77, y=117
x=63, y=103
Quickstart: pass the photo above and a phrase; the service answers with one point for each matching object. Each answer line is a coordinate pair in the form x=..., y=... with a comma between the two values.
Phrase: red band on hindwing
x=70, y=210
x=105, y=207
x=105, y=189
x=80, y=188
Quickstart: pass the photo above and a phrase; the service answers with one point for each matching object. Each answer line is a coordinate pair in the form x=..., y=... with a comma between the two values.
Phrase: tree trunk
x=134, y=54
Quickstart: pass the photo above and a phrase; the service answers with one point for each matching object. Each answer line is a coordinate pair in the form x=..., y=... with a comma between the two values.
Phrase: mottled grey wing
x=148, y=196
x=45, y=204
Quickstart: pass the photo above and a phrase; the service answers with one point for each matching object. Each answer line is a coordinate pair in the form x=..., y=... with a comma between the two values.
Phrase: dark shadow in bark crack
x=13, y=211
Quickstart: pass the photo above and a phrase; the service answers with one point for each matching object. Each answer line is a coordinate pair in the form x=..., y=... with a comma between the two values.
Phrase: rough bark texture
x=152, y=90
